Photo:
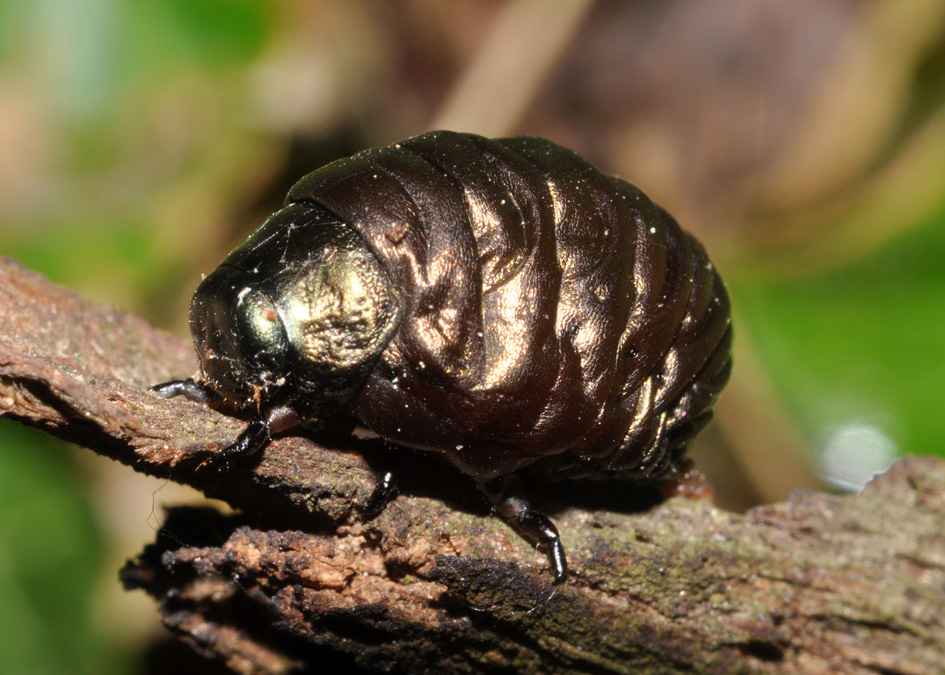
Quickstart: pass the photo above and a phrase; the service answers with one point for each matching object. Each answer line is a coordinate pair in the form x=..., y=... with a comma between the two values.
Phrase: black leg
x=534, y=526
x=538, y=527
x=253, y=438
x=188, y=388
x=384, y=491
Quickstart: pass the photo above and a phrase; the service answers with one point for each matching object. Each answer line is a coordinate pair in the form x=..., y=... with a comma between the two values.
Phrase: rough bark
x=300, y=579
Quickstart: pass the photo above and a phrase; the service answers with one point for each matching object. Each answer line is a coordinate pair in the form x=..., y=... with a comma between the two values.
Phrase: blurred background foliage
x=803, y=141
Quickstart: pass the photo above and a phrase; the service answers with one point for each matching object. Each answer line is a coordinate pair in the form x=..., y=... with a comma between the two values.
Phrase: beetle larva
x=499, y=301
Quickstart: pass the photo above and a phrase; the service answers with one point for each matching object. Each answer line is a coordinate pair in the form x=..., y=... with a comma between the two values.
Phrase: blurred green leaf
x=162, y=36
x=862, y=343
x=219, y=33
x=114, y=259
x=49, y=560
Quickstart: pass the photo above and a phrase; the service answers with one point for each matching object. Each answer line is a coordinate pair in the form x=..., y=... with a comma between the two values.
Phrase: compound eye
x=261, y=333
x=259, y=321
x=238, y=333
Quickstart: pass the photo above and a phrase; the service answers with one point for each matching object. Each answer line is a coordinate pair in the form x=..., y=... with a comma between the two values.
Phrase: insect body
x=500, y=301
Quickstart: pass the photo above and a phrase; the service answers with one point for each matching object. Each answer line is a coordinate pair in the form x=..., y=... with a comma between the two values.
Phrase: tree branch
x=301, y=579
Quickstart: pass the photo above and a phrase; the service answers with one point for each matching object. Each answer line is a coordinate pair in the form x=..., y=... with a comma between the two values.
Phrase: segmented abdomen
x=555, y=317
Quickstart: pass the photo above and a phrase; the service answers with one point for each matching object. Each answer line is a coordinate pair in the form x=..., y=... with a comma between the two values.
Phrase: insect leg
x=384, y=491
x=253, y=438
x=188, y=388
x=504, y=493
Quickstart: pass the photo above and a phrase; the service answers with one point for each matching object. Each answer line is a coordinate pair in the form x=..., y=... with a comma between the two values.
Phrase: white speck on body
x=242, y=295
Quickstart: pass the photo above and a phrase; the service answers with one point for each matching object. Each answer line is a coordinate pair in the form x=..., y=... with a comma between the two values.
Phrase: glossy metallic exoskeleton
x=499, y=301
